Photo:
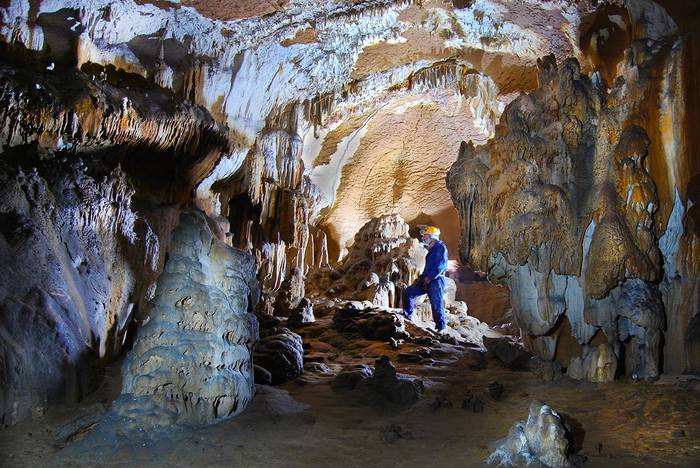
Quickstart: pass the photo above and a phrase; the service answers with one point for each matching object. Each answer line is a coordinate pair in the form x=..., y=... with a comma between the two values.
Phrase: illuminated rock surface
x=193, y=357
x=562, y=208
x=317, y=137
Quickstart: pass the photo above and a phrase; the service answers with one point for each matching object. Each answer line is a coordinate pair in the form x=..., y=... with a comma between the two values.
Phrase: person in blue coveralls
x=432, y=280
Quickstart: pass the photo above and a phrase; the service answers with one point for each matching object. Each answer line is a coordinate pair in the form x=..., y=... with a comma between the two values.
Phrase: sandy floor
x=306, y=423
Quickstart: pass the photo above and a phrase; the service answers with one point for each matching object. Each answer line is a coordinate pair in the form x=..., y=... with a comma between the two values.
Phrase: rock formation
x=292, y=125
x=381, y=261
x=193, y=356
x=281, y=354
x=383, y=381
x=79, y=262
x=561, y=206
x=280, y=351
x=542, y=440
x=290, y=294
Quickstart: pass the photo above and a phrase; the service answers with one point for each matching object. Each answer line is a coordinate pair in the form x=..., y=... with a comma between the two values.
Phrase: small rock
x=395, y=388
x=409, y=357
x=303, y=314
x=474, y=404
x=440, y=402
x=508, y=353
x=545, y=370
x=542, y=440
x=390, y=434
x=317, y=368
x=495, y=390
x=349, y=378
x=448, y=339
x=425, y=341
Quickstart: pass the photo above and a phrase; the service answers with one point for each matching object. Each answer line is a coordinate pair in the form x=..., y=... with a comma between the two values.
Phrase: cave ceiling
x=380, y=88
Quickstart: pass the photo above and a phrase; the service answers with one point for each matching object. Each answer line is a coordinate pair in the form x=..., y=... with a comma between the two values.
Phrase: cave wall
x=94, y=173
x=580, y=204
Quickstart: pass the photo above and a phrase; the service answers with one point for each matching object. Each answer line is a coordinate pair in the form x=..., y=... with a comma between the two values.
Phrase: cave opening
x=305, y=233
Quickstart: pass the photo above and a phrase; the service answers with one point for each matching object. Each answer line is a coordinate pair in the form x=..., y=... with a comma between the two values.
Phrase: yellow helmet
x=431, y=231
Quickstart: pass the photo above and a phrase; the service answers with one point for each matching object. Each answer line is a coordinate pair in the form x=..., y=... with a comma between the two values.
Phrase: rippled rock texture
x=570, y=206
x=193, y=357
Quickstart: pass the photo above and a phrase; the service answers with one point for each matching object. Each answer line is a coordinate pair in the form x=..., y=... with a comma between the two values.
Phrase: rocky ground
x=468, y=401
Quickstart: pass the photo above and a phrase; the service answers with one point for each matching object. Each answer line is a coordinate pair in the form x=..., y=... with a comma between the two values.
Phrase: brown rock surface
x=568, y=206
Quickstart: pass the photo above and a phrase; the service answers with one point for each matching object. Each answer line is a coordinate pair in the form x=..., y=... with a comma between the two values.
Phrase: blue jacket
x=435, y=261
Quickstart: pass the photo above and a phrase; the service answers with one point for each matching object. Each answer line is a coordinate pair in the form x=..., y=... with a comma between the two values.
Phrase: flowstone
x=572, y=240
x=192, y=360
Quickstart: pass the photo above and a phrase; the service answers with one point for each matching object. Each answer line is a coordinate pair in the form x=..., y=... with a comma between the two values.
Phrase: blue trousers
x=436, y=293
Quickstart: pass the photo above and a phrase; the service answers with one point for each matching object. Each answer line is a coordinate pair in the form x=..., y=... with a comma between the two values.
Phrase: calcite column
x=192, y=359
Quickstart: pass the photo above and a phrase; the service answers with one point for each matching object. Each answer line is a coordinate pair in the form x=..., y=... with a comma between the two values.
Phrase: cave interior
x=211, y=213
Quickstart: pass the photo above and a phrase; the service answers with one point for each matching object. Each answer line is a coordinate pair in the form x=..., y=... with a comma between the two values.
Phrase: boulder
x=511, y=354
x=369, y=322
x=396, y=388
x=542, y=440
x=281, y=354
x=302, y=314
x=350, y=377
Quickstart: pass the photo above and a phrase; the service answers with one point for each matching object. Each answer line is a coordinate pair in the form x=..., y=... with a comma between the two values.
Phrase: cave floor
x=306, y=423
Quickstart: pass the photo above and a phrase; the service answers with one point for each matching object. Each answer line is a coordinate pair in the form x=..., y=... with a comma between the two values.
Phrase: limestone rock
x=193, y=357
x=392, y=386
x=349, y=378
x=281, y=354
x=545, y=370
x=291, y=292
x=79, y=264
x=570, y=239
x=371, y=323
x=597, y=364
x=262, y=375
x=510, y=354
x=303, y=314
x=542, y=440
